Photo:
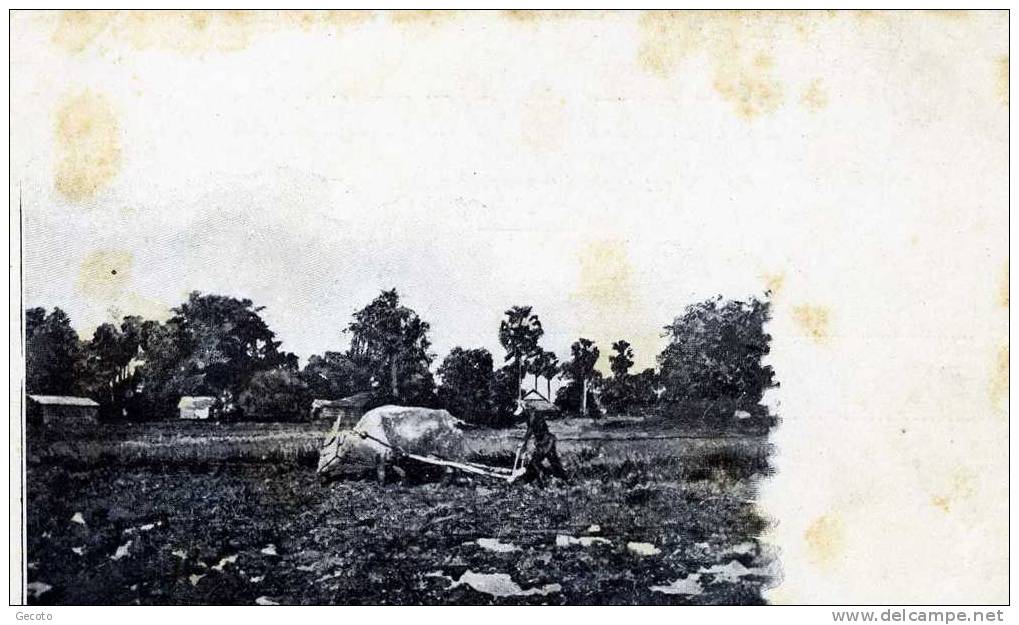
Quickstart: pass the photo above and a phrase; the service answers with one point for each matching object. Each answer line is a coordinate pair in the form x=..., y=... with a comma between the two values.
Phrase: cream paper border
x=854, y=163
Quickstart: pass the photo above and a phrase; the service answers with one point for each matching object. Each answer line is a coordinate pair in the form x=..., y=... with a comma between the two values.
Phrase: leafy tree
x=104, y=372
x=571, y=399
x=545, y=365
x=715, y=351
x=466, y=389
x=645, y=388
x=165, y=375
x=617, y=396
x=52, y=352
x=290, y=361
x=580, y=369
x=34, y=318
x=226, y=340
x=618, y=393
x=632, y=393
x=393, y=341
x=275, y=395
x=519, y=333
x=622, y=360
x=334, y=375
x=505, y=390
x=417, y=387
x=212, y=345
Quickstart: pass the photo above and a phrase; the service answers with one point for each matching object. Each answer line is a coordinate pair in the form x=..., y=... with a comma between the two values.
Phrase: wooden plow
x=498, y=473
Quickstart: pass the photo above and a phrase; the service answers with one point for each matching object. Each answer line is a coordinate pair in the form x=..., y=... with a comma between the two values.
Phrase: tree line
x=219, y=346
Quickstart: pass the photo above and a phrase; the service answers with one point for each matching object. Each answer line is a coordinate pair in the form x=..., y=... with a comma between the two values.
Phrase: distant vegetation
x=711, y=370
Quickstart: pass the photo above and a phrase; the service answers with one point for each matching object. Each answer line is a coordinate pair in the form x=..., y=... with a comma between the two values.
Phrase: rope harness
x=499, y=473
x=502, y=473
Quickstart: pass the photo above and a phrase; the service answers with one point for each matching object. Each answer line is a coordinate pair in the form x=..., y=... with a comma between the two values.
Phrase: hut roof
x=196, y=402
x=357, y=400
x=319, y=403
x=537, y=401
x=63, y=400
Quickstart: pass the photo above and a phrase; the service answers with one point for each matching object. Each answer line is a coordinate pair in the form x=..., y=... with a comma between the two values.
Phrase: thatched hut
x=61, y=409
x=195, y=407
x=351, y=409
x=538, y=402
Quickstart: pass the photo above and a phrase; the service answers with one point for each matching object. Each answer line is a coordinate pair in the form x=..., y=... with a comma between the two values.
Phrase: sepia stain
x=782, y=595
x=813, y=320
x=544, y=123
x=523, y=15
x=749, y=87
x=738, y=44
x=815, y=97
x=960, y=487
x=1003, y=79
x=423, y=17
x=999, y=377
x=607, y=295
x=104, y=277
x=825, y=538
x=77, y=29
x=105, y=274
x=87, y=145
x=191, y=31
x=325, y=19
x=773, y=282
x=606, y=277
x=948, y=14
x=865, y=15
x=532, y=16
x=134, y=304
x=667, y=38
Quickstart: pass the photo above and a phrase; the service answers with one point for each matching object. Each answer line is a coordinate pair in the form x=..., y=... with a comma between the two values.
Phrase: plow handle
x=517, y=458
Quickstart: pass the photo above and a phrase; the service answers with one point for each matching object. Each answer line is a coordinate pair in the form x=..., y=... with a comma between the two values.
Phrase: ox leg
x=380, y=469
x=448, y=476
x=401, y=474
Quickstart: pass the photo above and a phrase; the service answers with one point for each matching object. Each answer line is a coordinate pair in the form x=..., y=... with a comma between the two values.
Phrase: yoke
x=498, y=473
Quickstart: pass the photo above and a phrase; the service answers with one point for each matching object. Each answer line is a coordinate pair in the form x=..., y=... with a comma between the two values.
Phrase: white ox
x=373, y=442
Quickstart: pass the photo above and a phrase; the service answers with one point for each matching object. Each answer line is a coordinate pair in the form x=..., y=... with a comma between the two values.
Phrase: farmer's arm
x=527, y=435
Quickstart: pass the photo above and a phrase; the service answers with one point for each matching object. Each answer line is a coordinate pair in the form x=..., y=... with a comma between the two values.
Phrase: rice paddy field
x=207, y=513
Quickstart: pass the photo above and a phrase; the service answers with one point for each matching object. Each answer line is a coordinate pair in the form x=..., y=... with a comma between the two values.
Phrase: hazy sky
x=309, y=166
x=606, y=169
x=306, y=163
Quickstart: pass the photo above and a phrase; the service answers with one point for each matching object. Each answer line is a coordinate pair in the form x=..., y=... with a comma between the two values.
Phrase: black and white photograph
x=517, y=307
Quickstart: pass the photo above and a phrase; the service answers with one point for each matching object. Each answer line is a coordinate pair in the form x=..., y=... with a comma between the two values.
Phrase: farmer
x=544, y=447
